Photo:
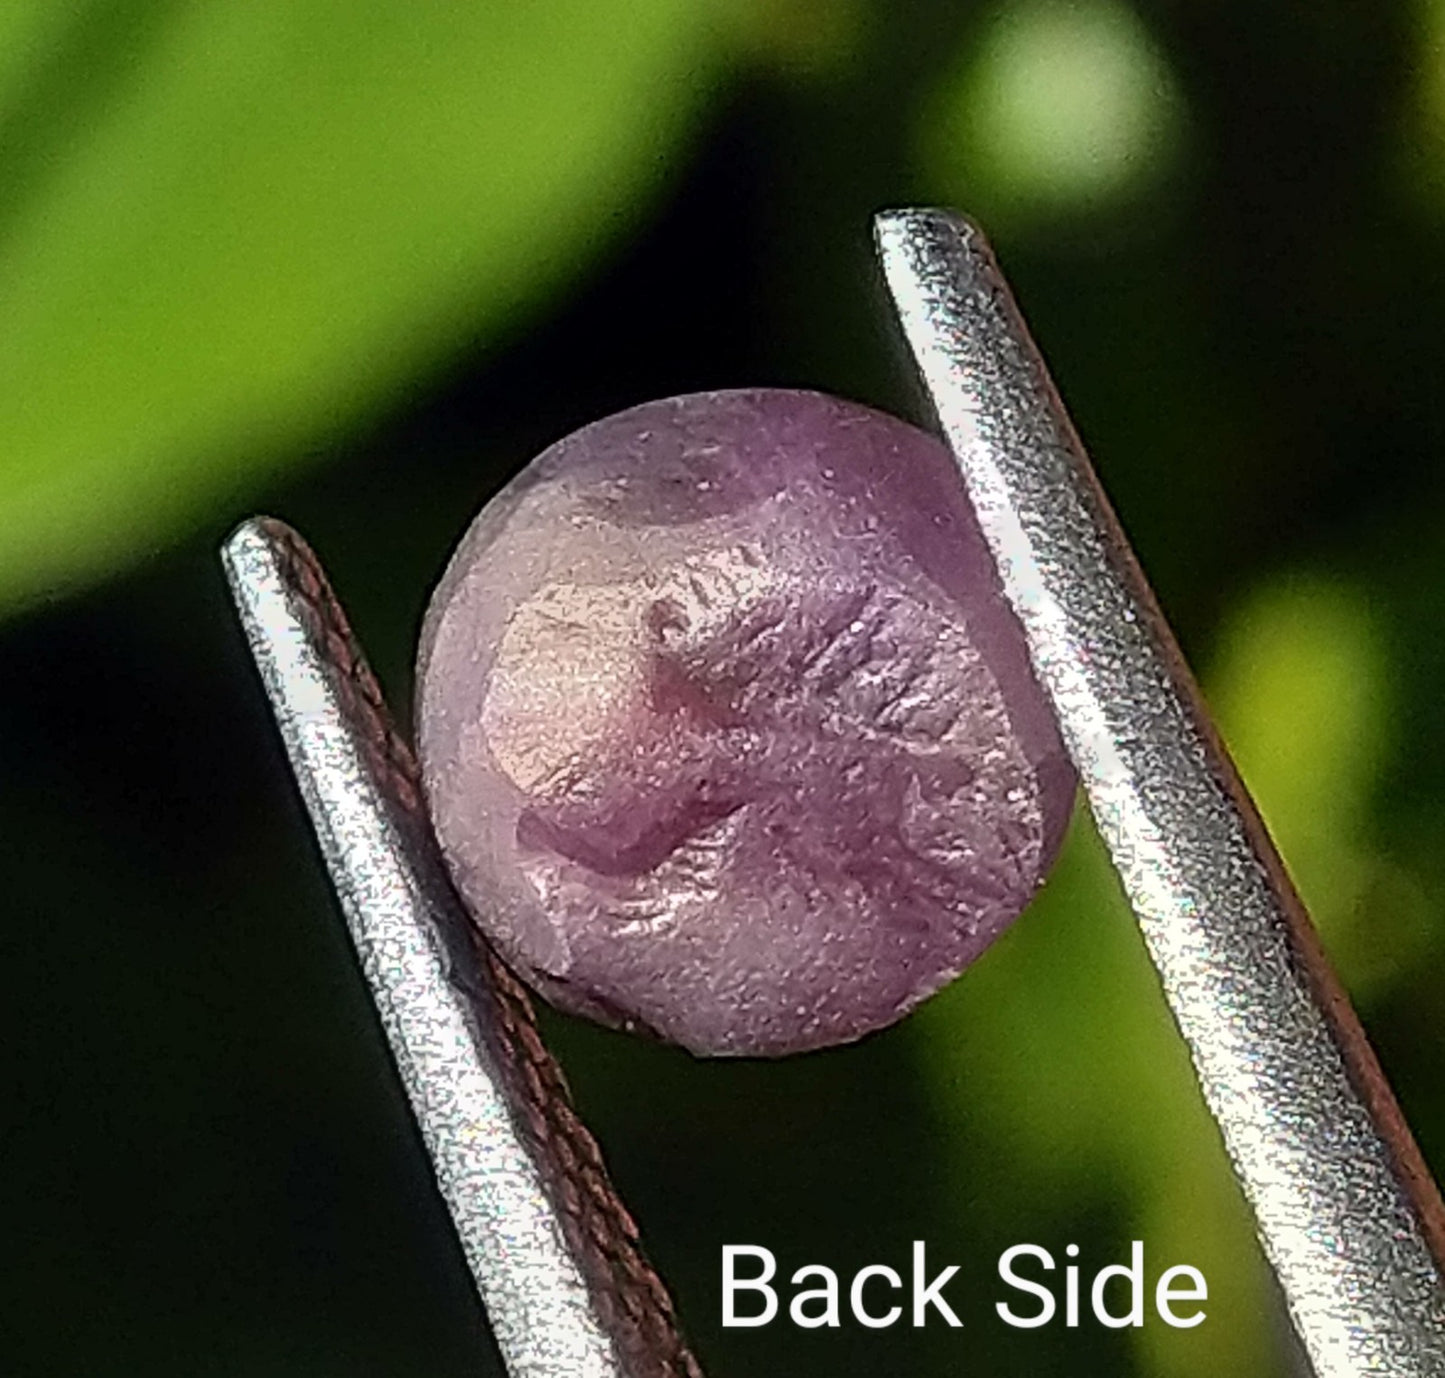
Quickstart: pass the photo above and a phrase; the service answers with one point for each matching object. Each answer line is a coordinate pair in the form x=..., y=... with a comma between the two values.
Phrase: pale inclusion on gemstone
x=726, y=730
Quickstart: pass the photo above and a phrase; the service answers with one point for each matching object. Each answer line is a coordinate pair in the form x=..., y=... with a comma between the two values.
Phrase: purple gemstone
x=726, y=729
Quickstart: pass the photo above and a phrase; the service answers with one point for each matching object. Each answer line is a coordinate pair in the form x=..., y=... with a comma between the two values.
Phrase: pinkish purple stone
x=726, y=729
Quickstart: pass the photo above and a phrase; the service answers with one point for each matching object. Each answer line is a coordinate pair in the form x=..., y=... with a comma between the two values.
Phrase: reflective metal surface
x=414, y=953
x=1345, y=1208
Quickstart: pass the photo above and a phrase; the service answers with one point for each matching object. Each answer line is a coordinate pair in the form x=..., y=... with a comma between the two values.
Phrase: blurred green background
x=354, y=265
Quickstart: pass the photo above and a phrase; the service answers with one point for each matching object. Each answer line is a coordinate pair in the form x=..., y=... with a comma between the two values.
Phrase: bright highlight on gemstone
x=726, y=730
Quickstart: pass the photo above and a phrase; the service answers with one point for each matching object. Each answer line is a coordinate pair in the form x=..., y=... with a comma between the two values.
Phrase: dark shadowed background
x=355, y=265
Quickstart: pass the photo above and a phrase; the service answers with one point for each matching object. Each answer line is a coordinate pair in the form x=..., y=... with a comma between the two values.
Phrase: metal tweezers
x=1348, y=1214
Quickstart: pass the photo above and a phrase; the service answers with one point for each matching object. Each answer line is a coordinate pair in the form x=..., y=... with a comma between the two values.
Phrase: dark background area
x=205, y=1163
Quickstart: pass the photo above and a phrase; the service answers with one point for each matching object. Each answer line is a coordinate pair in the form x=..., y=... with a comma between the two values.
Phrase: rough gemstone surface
x=726, y=730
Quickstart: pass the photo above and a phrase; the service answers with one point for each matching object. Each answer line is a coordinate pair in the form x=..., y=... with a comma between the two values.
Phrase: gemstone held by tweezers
x=726, y=730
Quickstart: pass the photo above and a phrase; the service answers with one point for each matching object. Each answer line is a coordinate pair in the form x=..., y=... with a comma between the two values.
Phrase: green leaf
x=228, y=231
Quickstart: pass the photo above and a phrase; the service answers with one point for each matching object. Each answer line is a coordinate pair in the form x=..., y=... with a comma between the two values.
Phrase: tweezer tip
x=257, y=528
x=908, y=221
x=243, y=537
x=258, y=538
